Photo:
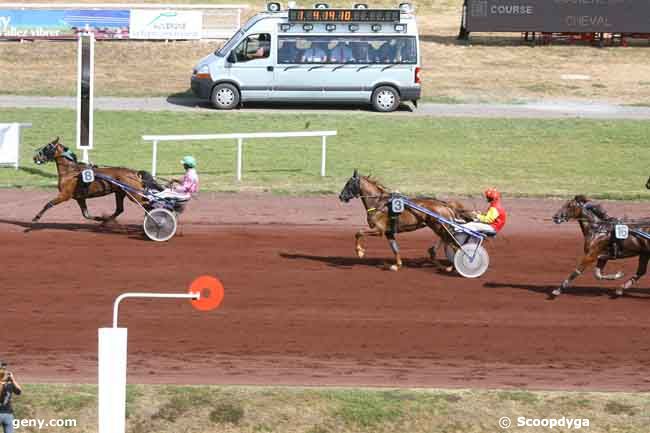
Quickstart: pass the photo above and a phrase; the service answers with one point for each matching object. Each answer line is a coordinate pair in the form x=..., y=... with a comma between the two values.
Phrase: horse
x=72, y=187
x=376, y=197
x=600, y=246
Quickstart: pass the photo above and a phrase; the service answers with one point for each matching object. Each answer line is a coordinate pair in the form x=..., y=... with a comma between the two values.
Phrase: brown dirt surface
x=300, y=308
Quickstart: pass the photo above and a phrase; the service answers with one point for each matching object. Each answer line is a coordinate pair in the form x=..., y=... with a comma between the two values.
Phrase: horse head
x=572, y=209
x=352, y=188
x=580, y=207
x=52, y=151
x=49, y=152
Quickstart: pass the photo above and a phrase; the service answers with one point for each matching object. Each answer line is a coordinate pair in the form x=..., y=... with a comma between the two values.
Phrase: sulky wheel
x=471, y=260
x=160, y=224
x=461, y=238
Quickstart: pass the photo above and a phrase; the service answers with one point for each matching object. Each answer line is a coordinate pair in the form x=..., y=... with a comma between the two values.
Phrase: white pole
x=240, y=145
x=112, y=380
x=154, y=157
x=84, y=155
x=323, y=156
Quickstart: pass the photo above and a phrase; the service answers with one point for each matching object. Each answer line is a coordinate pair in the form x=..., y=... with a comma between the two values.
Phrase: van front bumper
x=201, y=87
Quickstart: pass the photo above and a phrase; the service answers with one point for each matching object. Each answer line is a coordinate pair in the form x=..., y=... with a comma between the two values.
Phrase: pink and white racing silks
x=190, y=183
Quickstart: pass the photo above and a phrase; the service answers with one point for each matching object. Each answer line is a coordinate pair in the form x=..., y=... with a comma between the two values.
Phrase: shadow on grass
x=582, y=291
x=38, y=172
x=134, y=231
x=188, y=99
x=381, y=263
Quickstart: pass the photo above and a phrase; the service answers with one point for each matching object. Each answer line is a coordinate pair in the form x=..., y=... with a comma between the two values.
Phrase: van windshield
x=225, y=49
x=384, y=50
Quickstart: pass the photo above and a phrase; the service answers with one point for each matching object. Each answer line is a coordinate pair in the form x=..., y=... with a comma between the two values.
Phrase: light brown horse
x=376, y=197
x=600, y=243
x=72, y=187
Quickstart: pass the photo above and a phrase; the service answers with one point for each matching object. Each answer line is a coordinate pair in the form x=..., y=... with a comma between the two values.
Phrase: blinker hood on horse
x=71, y=186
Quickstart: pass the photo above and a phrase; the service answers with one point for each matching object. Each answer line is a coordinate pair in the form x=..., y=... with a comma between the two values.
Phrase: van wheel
x=385, y=99
x=225, y=97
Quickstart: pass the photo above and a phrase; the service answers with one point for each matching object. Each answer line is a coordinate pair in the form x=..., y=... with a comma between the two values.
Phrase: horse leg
x=640, y=271
x=59, y=199
x=598, y=271
x=84, y=210
x=586, y=261
x=393, y=246
x=358, y=238
x=119, y=205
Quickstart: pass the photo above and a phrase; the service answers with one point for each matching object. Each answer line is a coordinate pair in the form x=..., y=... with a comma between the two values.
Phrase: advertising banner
x=49, y=24
x=562, y=16
x=166, y=24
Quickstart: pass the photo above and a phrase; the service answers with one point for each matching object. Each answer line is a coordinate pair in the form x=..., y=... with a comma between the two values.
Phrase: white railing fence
x=155, y=139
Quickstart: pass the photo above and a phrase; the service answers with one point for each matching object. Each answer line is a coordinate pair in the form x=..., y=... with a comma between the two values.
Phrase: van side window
x=383, y=50
x=254, y=47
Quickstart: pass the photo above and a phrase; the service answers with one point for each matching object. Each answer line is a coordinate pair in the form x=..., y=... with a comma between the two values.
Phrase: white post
x=154, y=157
x=84, y=155
x=323, y=156
x=112, y=380
x=240, y=143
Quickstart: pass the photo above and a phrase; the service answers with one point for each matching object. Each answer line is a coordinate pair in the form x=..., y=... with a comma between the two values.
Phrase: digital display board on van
x=344, y=15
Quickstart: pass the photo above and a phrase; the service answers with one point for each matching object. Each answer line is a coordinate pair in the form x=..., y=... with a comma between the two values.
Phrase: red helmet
x=491, y=194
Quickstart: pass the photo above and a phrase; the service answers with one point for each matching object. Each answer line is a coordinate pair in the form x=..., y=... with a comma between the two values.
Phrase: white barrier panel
x=240, y=144
x=112, y=379
x=10, y=143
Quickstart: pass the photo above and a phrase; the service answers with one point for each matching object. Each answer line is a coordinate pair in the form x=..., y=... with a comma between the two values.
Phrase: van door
x=251, y=65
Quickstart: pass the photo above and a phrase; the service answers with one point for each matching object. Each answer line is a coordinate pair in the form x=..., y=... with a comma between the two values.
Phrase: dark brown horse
x=601, y=244
x=376, y=197
x=72, y=187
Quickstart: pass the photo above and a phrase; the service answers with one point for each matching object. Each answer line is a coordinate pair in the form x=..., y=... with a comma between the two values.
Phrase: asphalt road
x=544, y=110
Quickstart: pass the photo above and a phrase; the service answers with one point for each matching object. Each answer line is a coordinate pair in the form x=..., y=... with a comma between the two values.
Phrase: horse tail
x=148, y=181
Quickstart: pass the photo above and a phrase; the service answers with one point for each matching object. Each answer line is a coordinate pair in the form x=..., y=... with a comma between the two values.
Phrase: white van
x=357, y=55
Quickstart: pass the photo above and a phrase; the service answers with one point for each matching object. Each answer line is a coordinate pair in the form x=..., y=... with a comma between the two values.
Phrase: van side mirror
x=232, y=58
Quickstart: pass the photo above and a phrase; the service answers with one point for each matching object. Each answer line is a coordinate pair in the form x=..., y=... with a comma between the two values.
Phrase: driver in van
x=264, y=47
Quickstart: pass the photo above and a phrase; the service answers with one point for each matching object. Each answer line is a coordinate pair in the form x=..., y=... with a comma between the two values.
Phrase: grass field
x=492, y=68
x=415, y=155
x=162, y=409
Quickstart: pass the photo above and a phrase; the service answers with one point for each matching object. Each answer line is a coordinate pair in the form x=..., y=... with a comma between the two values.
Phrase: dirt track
x=301, y=309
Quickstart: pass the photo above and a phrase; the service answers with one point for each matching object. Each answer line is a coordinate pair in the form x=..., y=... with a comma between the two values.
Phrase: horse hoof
x=449, y=269
x=619, y=275
x=556, y=292
x=361, y=254
x=394, y=268
x=619, y=292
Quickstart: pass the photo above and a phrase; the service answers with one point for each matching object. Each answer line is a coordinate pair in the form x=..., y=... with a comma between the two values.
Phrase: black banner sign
x=565, y=16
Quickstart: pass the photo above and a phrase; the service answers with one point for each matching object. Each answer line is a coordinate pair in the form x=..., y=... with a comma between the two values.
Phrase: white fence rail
x=155, y=139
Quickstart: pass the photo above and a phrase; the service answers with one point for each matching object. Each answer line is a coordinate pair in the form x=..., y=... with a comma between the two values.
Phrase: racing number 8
x=88, y=176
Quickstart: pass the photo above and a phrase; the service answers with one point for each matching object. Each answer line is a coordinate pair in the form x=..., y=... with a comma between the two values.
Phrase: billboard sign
x=562, y=16
x=48, y=24
x=166, y=24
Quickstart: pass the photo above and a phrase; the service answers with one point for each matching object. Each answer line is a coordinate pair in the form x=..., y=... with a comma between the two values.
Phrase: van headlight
x=202, y=72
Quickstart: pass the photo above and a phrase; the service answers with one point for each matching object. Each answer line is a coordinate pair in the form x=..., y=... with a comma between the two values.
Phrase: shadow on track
x=381, y=263
x=583, y=291
x=134, y=231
